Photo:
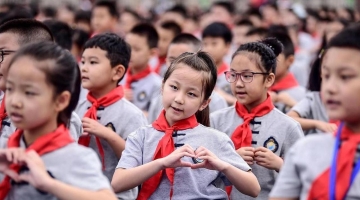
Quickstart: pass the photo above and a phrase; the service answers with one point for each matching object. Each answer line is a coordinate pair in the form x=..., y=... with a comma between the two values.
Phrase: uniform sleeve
x=229, y=155
x=213, y=121
x=293, y=135
x=76, y=128
x=217, y=103
x=86, y=172
x=288, y=183
x=303, y=108
x=133, y=153
x=134, y=123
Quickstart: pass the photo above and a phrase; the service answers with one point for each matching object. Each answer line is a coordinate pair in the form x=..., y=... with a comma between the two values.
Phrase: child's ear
x=62, y=101
x=118, y=72
x=289, y=61
x=204, y=104
x=270, y=79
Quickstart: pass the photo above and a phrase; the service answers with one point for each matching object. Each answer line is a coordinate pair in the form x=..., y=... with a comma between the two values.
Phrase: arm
x=286, y=99
x=245, y=182
x=115, y=141
x=228, y=98
x=308, y=124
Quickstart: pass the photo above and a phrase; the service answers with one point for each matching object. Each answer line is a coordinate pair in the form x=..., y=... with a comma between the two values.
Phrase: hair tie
x=272, y=48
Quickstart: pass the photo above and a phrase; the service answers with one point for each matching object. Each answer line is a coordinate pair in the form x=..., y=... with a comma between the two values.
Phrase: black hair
x=49, y=11
x=179, y=9
x=218, y=29
x=82, y=16
x=278, y=28
x=27, y=30
x=186, y=38
x=79, y=38
x=244, y=22
x=61, y=72
x=18, y=12
x=285, y=40
x=117, y=50
x=149, y=32
x=202, y=62
x=253, y=11
x=61, y=31
x=171, y=26
x=228, y=6
x=110, y=5
x=267, y=49
x=314, y=83
x=257, y=31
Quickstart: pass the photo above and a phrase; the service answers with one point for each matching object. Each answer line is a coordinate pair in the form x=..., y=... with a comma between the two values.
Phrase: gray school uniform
x=145, y=89
x=311, y=107
x=275, y=131
x=223, y=84
x=72, y=164
x=297, y=93
x=123, y=118
x=305, y=161
x=188, y=183
x=217, y=102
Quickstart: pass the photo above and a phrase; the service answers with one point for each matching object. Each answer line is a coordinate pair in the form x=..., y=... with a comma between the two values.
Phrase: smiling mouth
x=15, y=117
x=176, y=109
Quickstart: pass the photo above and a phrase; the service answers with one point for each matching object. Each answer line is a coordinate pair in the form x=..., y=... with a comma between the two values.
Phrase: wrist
x=160, y=163
x=226, y=166
x=279, y=162
x=49, y=185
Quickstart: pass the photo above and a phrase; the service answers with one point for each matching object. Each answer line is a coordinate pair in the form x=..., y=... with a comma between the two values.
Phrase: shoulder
x=319, y=140
x=127, y=108
x=211, y=133
x=285, y=120
x=222, y=112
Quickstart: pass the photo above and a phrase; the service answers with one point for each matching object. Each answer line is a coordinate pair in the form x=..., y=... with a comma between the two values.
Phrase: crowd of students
x=102, y=104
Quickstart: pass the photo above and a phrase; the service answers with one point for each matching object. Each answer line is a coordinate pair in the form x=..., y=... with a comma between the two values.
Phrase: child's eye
x=29, y=93
x=93, y=62
x=192, y=94
x=82, y=62
x=345, y=77
x=8, y=89
x=173, y=87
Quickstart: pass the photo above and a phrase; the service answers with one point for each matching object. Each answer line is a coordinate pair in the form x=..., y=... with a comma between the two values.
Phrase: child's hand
x=37, y=175
x=128, y=94
x=8, y=157
x=266, y=158
x=174, y=159
x=326, y=127
x=247, y=153
x=210, y=160
x=93, y=127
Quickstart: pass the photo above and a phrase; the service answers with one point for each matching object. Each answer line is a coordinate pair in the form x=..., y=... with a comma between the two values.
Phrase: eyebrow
x=191, y=88
x=26, y=85
x=90, y=57
x=246, y=70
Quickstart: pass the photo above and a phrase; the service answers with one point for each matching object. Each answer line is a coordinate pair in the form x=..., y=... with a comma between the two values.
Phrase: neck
x=171, y=123
x=252, y=105
x=136, y=70
x=279, y=78
x=103, y=91
x=218, y=64
x=354, y=127
x=31, y=135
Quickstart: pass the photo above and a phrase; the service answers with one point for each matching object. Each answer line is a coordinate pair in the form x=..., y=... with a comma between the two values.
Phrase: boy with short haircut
x=223, y=11
x=13, y=35
x=128, y=19
x=61, y=31
x=256, y=34
x=286, y=91
x=240, y=29
x=180, y=44
x=141, y=84
x=217, y=38
x=167, y=32
x=104, y=16
x=83, y=20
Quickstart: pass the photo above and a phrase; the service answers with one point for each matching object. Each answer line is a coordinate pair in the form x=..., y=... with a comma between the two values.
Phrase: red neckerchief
x=44, y=144
x=223, y=67
x=285, y=83
x=162, y=61
x=132, y=78
x=112, y=97
x=3, y=113
x=320, y=186
x=164, y=148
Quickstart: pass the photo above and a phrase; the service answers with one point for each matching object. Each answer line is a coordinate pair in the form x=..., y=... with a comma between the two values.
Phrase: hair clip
x=272, y=48
x=321, y=53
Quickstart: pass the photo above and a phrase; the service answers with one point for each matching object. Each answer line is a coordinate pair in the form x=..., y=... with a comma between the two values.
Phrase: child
x=241, y=28
x=83, y=20
x=261, y=133
x=141, y=83
x=105, y=112
x=42, y=160
x=325, y=166
x=256, y=34
x=177, y=13
x=62, y=33
x=217, y=39
x=79, y=39
x=14, y=35
x=167, y=32
x=104, y=16
x=194, y=159
x=179, y=45
x=286, y=91
x=223, y=11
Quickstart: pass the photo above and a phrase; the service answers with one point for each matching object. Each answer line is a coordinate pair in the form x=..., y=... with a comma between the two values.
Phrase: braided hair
x=267, y=49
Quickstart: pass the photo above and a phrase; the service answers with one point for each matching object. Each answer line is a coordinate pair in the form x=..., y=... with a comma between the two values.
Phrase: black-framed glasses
x=3, y=53
x=246, y=77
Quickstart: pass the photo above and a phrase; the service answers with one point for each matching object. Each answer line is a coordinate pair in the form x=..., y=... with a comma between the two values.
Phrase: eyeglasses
x=3, y=53
x=246, y=77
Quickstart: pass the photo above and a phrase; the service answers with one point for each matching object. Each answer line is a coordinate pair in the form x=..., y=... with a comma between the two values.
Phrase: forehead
x=164, y=32
x=94, y=52
x=135, y=39
x=26, y=69
x=187, y=76
x=9, y=41
x=213, y=39
x=342, y=57
x=101, y=10
x=176, y=50
x=218, y=9
x=245, y=61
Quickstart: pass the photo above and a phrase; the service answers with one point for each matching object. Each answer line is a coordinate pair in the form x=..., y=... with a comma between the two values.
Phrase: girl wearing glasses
x=261, y=133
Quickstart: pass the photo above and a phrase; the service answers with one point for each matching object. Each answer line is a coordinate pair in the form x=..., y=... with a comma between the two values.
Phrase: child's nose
x=179, y=98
